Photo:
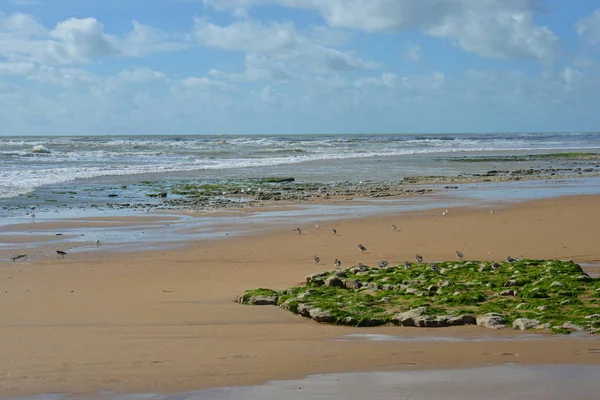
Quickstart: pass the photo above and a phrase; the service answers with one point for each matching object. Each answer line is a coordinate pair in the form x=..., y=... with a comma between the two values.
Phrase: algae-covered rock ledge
x=527, y=294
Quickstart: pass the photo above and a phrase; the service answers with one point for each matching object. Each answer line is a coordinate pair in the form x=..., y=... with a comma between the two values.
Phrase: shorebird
x=97, y=243
x=337, y=263
x=317, y=226
x=334, y=231
x=495, y=265
x=361, y=265
x=383, y=264
x=492, y=212
x=510, y=259
x=316, y=259
x=435, y=268
x=446, y=212
x=18, y=257
x=419, y=258
x=362, y=248
x=407, y=264
x=298, y=231
x=61, y=253
x=459, y=255
x=393, y=227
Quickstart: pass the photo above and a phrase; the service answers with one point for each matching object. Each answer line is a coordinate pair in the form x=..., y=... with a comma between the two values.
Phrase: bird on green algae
x=383, y=264
x=407, y=264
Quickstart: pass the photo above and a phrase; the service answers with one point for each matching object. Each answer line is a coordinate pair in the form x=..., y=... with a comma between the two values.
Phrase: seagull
x=316, y=259
x=362, y=248
x=510, y=259
x=18, y=257
x=495, y=265
x=383, y=264
x=317, y=226
x=393, y=227
x=337, y=263
x=492, y=212
x=446, y=212
x=61, y=253
x=419, y=258
x=407, y=264
x=435, y=268
x=459, y=255
x=334, y=231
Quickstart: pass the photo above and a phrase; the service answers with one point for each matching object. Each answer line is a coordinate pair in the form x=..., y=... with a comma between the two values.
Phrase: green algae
x=555, y=293
x=528, y=157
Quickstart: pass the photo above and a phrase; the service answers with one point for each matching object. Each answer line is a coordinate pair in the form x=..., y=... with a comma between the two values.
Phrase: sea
x=71, y=162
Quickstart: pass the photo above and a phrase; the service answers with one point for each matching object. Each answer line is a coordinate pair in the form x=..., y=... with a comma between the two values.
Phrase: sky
x=298, y=66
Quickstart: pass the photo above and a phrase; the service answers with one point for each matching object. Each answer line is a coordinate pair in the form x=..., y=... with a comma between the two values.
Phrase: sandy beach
x=167, y=321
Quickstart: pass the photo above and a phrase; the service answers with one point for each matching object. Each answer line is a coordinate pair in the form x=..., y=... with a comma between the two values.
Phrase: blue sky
x=298, y=66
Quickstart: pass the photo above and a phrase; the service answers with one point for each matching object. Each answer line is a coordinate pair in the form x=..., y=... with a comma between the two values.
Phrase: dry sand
x=165, y=321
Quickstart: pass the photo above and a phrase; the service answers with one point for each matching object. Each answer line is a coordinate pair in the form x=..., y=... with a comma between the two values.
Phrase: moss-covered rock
x=528, y=294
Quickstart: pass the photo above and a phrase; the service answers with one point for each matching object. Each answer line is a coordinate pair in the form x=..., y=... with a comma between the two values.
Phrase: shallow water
x=506, y=382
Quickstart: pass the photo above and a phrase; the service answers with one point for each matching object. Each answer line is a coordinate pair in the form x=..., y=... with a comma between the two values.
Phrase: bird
x=317, y=226
x=61, y=253
x=18, y=257
x=510, y=259
x=316, y=259
x=407, y=264
x=337, y=263
x=492, y=212
x=419, y=258
x=298, y=231
x=383, y=264
x=446, y=212
x=393, y=227
x=97, y=243
x=334, y=231
x=459, y=255
x=362, y=248
x=495, y=265
x=435, y=268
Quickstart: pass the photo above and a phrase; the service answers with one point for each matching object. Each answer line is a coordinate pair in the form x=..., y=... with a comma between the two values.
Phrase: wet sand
x=166, y=321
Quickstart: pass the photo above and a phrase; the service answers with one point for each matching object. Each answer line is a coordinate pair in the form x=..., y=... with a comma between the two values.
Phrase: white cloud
x=413, y=52
x=588, y=28
x=26, y=2
x=203, y=83
x=490, y=28
x=76, y=40
x=277, y=41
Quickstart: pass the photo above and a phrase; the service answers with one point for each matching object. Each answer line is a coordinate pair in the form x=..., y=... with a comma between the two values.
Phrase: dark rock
x=334, y=281
x=508, y=293
x=409, y=318
x=352, y=284
x=374, y=286
x=320, y=315
x=572, y=327
x=261, y=300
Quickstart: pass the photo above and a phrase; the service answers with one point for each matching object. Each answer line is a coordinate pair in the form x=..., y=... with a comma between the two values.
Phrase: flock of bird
x=418, y=258
x=61, y=253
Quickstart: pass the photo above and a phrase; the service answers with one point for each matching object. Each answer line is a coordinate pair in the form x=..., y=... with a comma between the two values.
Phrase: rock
x=389, y=287
x=557, y=284
x=543, y=327
x=304, y=310
x=520, y=306
x=316, y=278
x=457, y=293
x=444, y=284
x=340, y=273
x=162, y=194
x=374, y=286
x=411, y=290
x=542, y=308
x=262, y=300
x=357, y=269
x=308, y=293
x=593, y=316
x=432, y=288
x=525, y=323
x=572, y=327
x=408, y=318
x=349, y=321
x=511, y=283
x=320, y=315
x=508, y=293
x=491, y=320
x=584, y=278
x=352, y=284
x=334, y=281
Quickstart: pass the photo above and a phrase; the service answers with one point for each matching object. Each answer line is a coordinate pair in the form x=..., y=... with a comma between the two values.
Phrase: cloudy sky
x=298, y=66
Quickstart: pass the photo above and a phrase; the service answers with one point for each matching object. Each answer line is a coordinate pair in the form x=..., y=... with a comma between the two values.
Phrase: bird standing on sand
x=492, y=212
x=407, y=264
x=362, y=248
x=97, y=243
x=383, y=264
x=298, y=231
x=61, y=253
x=510, y=259
x=459, y=255
x=337, y=263
x=393, y=227
x=317, y=226
x=419, y=258
x=334, y=231
x=316, y=259
x=446, y=212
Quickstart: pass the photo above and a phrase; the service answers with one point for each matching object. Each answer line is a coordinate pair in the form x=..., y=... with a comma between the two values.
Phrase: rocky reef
x=526, y=294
